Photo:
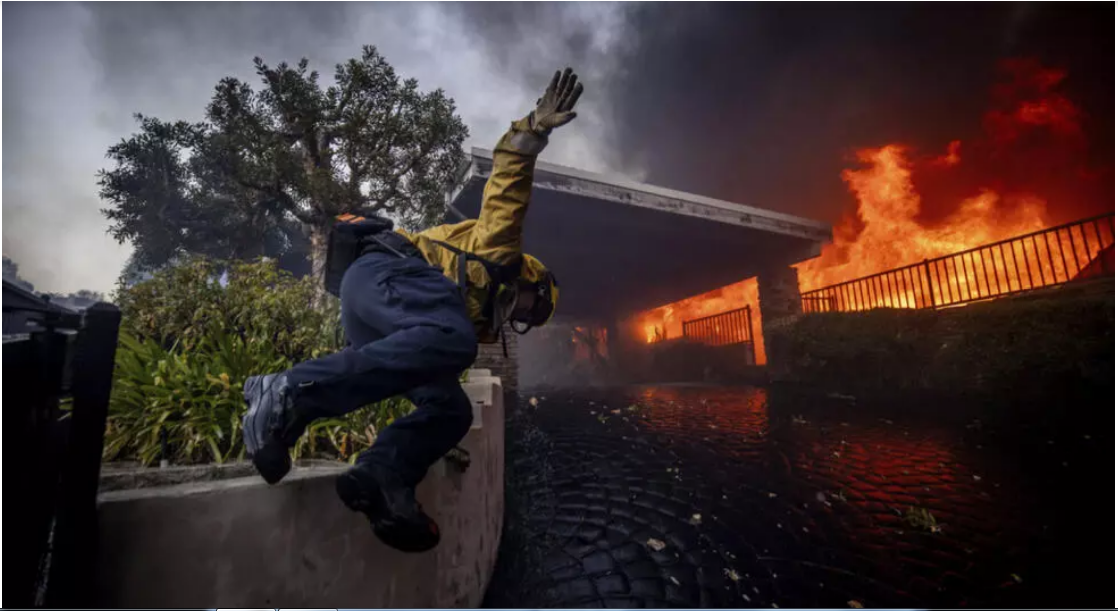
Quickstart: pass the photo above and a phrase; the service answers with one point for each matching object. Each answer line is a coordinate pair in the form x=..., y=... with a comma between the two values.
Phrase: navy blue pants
x=408, y=333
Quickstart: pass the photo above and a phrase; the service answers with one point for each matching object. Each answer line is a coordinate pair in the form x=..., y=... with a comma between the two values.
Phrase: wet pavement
x=730, y=497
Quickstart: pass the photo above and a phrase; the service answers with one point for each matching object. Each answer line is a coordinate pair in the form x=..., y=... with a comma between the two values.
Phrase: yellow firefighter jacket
x=495, y=235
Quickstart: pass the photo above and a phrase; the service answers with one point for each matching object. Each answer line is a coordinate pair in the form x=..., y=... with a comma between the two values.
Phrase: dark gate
x=59, y=365
x=732, y=330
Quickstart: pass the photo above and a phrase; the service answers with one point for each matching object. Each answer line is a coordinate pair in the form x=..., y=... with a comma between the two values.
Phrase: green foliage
x=187, y=303
x=188, y=344
x=267, y=169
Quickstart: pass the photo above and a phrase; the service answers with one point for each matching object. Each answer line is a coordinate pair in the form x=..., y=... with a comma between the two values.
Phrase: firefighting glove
x=555, y=108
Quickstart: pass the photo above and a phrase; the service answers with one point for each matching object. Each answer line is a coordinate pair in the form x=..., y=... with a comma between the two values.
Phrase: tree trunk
x=319, y=238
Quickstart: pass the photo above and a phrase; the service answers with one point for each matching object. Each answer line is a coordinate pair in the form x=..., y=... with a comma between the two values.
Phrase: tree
x=11, y=274
x=267, y=171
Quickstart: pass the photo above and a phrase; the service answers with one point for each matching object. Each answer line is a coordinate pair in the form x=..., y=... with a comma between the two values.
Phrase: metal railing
x=732, y=328
x=59, y=365
x=1050, y=257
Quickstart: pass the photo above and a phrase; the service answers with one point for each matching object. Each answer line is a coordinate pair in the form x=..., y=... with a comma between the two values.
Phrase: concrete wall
x=240, y=543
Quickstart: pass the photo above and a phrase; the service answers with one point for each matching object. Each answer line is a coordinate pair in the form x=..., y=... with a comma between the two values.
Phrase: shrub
x=256, y=301
x=186, y=347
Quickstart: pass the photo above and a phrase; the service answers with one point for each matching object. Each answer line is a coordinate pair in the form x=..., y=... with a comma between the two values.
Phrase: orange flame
x=666, y=322
x=891, y=235
x=1031, y=125
x=1031, y=136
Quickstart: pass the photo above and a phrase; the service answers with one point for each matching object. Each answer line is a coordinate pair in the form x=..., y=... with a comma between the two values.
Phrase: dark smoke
x=757, y=103
x=763, y=103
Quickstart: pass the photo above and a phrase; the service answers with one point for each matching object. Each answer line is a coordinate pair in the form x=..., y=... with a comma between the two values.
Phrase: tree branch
x=284, y=199
x=347, y=96
x=394, y=189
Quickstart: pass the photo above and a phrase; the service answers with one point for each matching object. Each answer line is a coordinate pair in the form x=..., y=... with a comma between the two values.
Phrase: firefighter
x=414, y=308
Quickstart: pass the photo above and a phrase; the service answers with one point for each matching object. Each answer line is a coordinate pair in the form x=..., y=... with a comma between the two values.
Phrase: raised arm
x=499, y=229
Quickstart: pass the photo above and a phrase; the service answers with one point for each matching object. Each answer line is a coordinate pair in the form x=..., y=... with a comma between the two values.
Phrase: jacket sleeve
x=499, y=228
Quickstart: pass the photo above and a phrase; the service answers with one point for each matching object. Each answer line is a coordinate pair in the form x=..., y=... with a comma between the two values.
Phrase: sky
x=761, y=104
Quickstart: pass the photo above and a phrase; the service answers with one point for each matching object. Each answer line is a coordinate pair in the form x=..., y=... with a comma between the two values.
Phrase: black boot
x=397, y=518
x=271, y=426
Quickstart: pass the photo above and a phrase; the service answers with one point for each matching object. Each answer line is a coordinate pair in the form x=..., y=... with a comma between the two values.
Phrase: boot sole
x=272, y=462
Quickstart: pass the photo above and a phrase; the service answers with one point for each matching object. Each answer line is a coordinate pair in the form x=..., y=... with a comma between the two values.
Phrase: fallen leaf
x=853, y=604
x=656, y=544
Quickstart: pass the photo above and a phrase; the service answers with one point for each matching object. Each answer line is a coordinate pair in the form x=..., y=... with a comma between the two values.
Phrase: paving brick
x=750, y=480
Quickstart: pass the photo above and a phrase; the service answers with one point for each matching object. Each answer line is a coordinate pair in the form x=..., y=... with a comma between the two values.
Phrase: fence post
x=928, y=278
x=35, y=368
x=74, y=560
x=752, y=343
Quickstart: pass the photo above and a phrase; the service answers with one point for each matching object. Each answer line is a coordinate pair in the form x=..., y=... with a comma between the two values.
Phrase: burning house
x=661, y=285
x=620, y=248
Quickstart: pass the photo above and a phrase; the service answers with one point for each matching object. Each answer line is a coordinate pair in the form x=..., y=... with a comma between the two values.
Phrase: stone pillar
x=613, y=343
x=492, y=357
x=778, y=294
x=778, y=291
